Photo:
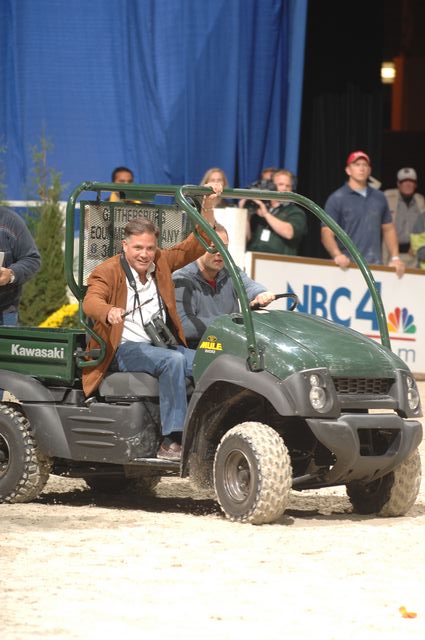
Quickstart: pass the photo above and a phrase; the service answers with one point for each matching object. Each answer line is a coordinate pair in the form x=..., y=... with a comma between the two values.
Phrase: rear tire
x=393, y=494
x=252, y=474
x=24, y=471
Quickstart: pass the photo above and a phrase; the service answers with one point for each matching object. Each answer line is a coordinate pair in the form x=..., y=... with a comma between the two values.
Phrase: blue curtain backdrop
x=166, y=87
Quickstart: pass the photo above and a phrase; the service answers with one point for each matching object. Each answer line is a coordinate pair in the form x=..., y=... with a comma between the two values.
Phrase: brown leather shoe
x=172, y=451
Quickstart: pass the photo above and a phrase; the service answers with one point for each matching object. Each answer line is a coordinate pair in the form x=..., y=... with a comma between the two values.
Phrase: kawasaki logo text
x=55, y=353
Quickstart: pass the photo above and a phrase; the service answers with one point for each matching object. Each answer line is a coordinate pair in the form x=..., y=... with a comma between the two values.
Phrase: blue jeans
x=171, y=367
x=8, y=318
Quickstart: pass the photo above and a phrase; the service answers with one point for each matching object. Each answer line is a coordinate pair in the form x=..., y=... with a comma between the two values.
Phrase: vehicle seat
x=134, y=384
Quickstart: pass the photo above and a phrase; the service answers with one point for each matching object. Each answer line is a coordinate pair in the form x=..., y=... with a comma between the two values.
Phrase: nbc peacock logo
x=401, y=321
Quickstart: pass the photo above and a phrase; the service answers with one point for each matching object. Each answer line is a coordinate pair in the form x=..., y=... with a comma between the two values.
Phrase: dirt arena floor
x=173, y=567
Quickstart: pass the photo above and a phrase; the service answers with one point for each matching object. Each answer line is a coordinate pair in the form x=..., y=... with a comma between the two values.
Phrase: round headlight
x=412, y=398
x=317, y=397
x=314, y=380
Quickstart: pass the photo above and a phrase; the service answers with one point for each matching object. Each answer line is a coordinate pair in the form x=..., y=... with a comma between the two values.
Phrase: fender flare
x=38, y=404
x=228, y=369
x=236, y=371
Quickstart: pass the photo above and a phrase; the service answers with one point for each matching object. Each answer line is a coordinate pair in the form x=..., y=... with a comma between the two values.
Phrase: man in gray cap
x=406, y=206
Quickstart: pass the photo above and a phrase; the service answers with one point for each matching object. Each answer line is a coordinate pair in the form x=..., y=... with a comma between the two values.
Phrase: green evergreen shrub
x=46, y=292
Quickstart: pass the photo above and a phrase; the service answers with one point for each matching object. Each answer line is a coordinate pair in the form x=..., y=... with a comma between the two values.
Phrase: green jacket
x=265, y=240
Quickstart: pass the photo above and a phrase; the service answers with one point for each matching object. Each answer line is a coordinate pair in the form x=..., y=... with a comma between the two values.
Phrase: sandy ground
x=172, y=566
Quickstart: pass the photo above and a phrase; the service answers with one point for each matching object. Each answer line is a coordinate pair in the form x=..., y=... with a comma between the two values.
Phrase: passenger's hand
x=399, y=266
x=342, y=261
x=263, y=299
x=115, y=315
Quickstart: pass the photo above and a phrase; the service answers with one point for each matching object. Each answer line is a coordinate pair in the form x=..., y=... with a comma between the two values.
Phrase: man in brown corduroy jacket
x=123, y=307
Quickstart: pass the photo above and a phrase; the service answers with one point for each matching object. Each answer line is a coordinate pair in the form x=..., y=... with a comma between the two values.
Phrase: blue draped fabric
x=166, y=87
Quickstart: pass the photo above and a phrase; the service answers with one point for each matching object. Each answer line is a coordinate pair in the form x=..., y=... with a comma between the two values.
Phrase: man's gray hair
x=138, y=226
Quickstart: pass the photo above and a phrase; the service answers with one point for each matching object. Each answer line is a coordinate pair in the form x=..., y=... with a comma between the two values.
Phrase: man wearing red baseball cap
x=356, y=155
x=363, y=213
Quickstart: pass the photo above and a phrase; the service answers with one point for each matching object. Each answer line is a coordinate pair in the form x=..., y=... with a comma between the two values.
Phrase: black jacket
x=20, y=254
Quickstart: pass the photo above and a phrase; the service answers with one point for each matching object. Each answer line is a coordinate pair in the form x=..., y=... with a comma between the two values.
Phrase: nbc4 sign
x=351, y=305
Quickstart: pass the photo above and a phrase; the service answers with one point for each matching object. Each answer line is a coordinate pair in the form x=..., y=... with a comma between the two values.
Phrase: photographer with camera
x=264, y=182
x=131, y=299
x=277, y=227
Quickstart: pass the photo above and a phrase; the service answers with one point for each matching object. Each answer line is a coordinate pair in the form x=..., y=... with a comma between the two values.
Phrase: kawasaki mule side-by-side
x=280, y=400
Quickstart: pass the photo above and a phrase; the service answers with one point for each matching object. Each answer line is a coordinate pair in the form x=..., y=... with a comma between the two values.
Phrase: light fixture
x=387, y=72
x=318, y=397
x=413, y=398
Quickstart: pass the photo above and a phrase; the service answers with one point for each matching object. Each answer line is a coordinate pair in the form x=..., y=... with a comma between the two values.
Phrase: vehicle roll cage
x=147, y=193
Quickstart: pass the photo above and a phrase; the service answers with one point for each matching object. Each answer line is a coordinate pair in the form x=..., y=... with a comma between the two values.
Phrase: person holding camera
x=131, y=299
x=277, y=227
x=264, y=182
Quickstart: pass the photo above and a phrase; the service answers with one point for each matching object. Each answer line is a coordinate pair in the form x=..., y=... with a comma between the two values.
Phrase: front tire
x=393, y=494
x=24, y=471
x=252, y=474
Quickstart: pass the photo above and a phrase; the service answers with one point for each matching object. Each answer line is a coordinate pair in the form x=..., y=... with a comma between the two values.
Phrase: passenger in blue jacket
x=204, y=290
x=19, y=261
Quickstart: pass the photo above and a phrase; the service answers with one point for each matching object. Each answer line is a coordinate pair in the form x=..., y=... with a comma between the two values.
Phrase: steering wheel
x=293, y=306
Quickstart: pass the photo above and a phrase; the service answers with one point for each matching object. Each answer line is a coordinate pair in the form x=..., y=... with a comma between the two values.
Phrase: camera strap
x=132, y=282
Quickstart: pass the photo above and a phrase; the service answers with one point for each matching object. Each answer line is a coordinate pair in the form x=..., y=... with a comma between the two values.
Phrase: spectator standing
x=215, y=175
x=121, y=175
x=417, y=241
x=19, y=261
x=277, y=227
x=204, y=291
x=405, y=206
x=363, y=213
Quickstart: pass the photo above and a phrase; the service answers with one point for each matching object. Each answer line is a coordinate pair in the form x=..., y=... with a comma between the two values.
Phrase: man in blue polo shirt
x=363, y=213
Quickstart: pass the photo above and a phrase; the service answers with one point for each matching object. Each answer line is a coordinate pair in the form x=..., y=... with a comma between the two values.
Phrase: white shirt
x=148, y=295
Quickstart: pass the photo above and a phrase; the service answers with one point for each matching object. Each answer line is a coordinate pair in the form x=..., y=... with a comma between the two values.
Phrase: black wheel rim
x=373, y=488
x=4, y=456
x=237, y=476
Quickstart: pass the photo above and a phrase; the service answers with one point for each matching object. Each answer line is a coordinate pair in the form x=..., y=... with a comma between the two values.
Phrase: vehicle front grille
x=363, y=386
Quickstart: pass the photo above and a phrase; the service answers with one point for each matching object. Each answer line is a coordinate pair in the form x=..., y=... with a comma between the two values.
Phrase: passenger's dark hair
x=140, y=225
x=218, y=228
x=118, y=169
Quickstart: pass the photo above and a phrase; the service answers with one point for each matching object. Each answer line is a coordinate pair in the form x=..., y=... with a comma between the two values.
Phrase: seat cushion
x=129, y=385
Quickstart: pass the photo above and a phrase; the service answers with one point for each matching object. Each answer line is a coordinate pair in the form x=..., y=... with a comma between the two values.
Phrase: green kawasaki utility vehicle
x=280, y=400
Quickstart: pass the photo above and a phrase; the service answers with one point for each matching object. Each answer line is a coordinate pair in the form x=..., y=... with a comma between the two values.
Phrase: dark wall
x=403, y=149
x=342, y=100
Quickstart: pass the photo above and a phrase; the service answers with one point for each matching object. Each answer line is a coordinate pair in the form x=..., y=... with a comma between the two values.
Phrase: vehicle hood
x=302, y=339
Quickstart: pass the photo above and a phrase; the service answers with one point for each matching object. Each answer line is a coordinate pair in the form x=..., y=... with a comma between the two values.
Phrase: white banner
x=234, y=221
x=327, y=291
